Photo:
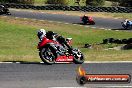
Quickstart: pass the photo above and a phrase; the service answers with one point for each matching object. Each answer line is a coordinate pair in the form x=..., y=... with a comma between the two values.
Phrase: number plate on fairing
x=64, y=59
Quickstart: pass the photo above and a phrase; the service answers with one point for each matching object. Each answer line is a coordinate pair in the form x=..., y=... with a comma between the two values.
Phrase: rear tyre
x=48, y=55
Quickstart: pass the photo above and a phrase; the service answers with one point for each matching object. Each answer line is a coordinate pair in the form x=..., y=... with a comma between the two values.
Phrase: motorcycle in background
x=87, y=20
x=127, y=25
x=4, y=10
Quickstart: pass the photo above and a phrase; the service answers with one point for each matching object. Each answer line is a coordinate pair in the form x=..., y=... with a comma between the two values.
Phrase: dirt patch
x=33, y=23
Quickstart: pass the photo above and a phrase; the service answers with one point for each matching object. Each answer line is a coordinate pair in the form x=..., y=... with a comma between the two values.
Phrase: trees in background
x=57, y=2
x=126, y=3
x=18, y=1
x=95, y=2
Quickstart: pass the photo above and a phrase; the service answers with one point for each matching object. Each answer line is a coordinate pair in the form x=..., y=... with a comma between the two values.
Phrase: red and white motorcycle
x=51, y=51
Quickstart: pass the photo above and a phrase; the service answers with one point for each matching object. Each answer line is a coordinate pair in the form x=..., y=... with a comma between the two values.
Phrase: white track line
x=4, y=16
x=86, y=26
x=102, y=28
x=116, y=87
x=6, y=62
x=16, y=17
x=66, y=23
x=108, y=62
x=100, y=62
x=59, y=22
x=93, y=27
x=50, y=21
x=68, y=87
x=25, y=18
x=74, y=24
x=34, y=19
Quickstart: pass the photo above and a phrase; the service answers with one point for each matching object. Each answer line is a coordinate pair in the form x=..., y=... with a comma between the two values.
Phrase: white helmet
x=126, y=20
x=2, y=6
x=41, y=34
x=43, y=31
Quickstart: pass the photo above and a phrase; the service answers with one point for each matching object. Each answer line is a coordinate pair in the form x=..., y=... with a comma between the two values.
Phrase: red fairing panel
x=44, y=42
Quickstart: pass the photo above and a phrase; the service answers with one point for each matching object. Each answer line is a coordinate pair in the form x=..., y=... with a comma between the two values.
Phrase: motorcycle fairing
x=44, y=42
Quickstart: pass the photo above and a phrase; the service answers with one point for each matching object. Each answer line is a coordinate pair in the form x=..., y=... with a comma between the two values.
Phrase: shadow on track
x=82, y=24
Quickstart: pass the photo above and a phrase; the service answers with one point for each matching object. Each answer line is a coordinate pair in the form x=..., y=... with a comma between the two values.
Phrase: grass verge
x=18, y=40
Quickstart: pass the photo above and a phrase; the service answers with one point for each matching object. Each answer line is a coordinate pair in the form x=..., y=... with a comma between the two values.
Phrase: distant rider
x=85, y=18
x=127, y=23
x=3, y=8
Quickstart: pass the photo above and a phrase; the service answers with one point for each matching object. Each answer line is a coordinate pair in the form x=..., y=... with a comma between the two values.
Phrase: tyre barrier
x=71, y=8
x=117, y=41
x=87, y=45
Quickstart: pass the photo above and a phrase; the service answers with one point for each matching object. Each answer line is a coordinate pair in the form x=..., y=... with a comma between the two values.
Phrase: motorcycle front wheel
x=92, y=23
x=8, y=13
x=78, y=56
x=47, y=55
x=124, y=26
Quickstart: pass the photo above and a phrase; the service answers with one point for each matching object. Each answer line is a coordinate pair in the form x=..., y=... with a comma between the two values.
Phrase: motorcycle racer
x=126, y=24
x=4, y=10
x=53, y=36
x=55, y=48
x=87, y=20
x=129, y=23
x=85, y=17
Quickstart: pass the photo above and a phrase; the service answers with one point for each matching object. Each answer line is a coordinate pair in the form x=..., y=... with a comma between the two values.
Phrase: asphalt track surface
x=36, y=75
x=106, y=23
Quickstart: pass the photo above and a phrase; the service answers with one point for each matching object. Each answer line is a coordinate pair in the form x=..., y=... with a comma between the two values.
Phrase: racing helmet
x=126, y=20
x=41, y=33
x=2, y=6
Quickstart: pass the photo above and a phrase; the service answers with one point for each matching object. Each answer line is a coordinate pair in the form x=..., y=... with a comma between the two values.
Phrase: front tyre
x=92, y=23
x=124, y=26
x=8, y=13
x=78, y=56
x=47, y=55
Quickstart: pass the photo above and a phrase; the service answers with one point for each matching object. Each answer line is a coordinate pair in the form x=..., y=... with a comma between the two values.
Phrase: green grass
x=72, y=2
x=18, y=40
x=120, y=15
x=40, y=2
x=108, y=3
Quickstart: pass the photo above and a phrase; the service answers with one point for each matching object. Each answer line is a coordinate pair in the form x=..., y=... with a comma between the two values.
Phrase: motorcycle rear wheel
x=48, y=55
